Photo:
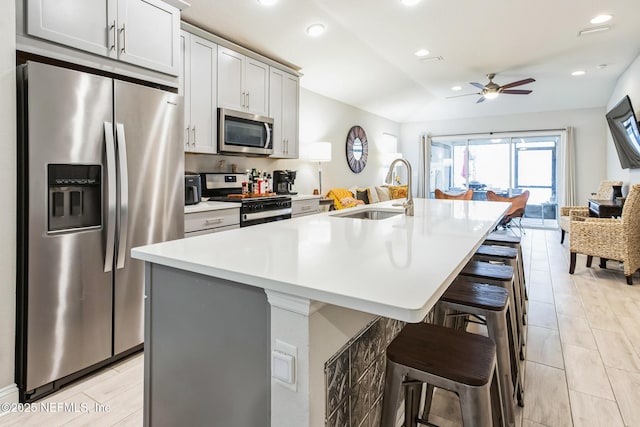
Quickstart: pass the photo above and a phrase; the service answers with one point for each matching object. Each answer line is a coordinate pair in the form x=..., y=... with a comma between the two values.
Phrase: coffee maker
x=283, y=181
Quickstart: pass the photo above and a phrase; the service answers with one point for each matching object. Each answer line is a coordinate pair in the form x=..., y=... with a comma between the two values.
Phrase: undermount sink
x=369, y=214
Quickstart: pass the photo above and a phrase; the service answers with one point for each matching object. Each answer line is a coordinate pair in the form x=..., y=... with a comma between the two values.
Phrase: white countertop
x=211, y=206
x=397, y=267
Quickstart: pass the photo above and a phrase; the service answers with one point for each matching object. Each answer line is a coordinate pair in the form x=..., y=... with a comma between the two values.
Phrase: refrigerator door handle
x=124, y=196
x=110, y=147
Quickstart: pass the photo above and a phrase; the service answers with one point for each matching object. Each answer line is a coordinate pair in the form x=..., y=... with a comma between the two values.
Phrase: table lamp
x=320, y=152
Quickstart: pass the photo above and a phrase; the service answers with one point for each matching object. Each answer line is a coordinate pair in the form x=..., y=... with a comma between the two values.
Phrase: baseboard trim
x=8, y=394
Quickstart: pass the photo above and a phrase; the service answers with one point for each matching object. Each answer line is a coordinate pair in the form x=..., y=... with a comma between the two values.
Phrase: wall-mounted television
x=624, y=130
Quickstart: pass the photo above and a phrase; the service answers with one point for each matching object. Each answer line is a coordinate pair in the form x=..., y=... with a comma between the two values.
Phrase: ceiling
x=366, y=56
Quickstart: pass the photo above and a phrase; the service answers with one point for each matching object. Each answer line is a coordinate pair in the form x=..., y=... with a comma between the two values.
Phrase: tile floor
x=582, y=367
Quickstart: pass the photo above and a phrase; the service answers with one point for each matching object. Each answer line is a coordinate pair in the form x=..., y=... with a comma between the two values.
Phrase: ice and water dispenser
x=74, y=196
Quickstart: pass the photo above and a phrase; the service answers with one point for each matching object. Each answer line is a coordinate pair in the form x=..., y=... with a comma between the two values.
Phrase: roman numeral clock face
x=357, y=149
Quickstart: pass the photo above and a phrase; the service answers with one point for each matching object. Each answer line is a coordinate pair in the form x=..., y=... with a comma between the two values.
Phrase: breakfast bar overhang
x=239, y=324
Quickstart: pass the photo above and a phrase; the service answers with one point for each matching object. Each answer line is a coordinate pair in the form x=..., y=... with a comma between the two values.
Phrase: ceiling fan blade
x=482, y=98
x=466, y=94
x=516, y=91
x=518, y=83
x=478, y=85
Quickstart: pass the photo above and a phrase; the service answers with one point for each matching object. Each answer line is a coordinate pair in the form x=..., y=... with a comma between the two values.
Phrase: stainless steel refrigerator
x=100, y=170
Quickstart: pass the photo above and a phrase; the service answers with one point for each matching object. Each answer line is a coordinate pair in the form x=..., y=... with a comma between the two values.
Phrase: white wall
x=590, y=138
x=628, y=84
x=8, y=392
x=321, y=119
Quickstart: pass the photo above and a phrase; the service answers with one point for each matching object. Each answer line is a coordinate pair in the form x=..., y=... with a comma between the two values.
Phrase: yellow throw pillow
x=398, y=191
x=337, y=194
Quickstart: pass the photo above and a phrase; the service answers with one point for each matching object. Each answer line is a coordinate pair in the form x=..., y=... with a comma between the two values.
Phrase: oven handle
x=266, y=214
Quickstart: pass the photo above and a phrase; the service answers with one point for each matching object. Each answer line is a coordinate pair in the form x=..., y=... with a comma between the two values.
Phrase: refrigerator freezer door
x=68, y=294
x=149, y=126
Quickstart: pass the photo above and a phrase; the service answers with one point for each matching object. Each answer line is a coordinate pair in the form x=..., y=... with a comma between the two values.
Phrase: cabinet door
x=230, y=66
x=184, y=85
x=149, y=35
x=290, y=108
x=203, y=95
x=276, y=83
x=257, y=87
x=89, y=25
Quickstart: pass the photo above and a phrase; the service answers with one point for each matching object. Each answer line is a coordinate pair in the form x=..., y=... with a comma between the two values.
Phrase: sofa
x=349, y=197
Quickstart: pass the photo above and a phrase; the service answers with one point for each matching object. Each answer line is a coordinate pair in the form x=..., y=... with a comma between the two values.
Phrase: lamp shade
x=319, y=152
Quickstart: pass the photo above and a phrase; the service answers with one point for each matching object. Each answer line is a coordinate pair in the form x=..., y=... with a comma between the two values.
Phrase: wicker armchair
x=605, y=192
x=607, y=238
x=467, y=195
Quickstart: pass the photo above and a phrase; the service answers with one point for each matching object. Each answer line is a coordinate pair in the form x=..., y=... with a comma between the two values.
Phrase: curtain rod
x=494, y=132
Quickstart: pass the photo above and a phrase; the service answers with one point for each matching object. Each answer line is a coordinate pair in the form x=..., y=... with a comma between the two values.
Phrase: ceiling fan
x=492, y=90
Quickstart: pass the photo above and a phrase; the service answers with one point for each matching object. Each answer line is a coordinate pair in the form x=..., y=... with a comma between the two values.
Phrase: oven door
x=253, y=212
x=244, y=133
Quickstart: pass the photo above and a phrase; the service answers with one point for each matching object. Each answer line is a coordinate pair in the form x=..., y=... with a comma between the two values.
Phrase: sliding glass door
x=506, y=165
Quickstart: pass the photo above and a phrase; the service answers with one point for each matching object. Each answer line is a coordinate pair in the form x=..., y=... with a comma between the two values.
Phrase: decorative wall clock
x=357, y=149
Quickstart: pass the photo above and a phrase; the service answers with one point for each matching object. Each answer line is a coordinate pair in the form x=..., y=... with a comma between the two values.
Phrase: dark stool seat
x=490, y=306
x=448, y=353
x=501, y=239
x=484, y=270
x=494, y=238
x=453, y=360
x=509, y=256
x=497, y=251
x=486, y=297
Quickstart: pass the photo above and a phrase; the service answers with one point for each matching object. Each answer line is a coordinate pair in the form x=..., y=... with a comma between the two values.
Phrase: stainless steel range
x=223, y=187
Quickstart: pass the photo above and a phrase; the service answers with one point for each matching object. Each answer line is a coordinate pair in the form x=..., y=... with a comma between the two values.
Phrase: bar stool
x=500, y=275
x=453, y=360
x=489, y=305
x=500, y=239
x=509, y=256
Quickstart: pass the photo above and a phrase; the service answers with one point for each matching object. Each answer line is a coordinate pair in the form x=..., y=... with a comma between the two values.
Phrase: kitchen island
x=240, y=325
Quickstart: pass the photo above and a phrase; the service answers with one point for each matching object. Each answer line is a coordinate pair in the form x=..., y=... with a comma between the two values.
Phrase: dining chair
x=518, y=205
x=467, y=195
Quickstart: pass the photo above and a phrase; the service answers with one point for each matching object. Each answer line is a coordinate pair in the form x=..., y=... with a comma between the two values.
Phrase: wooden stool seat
x=486, y=297
x=501, y=238
x=448, y=353
x=497, y=251
x=489, y=305
x=453, y=360
x=485, y=270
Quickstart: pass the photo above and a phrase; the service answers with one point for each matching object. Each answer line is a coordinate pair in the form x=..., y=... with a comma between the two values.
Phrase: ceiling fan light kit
x=492, y=90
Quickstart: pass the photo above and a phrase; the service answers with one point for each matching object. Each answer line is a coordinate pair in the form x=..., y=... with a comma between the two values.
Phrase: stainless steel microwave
x=244, y=133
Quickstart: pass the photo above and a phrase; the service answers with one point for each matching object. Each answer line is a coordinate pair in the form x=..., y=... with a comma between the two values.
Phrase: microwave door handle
x=266, y=144
x=124, y=196
x=110, y=148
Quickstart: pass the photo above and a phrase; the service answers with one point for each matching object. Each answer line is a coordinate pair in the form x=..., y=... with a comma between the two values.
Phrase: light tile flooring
x=582, y=367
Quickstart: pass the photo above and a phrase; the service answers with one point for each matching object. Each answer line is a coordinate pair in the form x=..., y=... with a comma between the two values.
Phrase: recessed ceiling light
x=315, y=30
x=409, y=2
x=456, y=88
x=267, y=2
x=601, y=19
x=578, y=73
x=421, y=52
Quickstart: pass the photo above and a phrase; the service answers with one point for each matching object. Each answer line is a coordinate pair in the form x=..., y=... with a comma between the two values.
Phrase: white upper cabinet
x=199, y=80
x=140, y=32
x=243, y=83
x=284, y=92
x=148, y=34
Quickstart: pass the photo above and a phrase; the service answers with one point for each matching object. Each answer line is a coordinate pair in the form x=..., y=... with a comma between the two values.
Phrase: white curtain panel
x=567, y=175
